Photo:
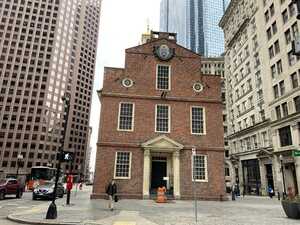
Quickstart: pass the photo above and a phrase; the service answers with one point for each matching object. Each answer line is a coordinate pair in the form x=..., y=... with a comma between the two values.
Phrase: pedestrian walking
x=111, y=191
x=270, y=191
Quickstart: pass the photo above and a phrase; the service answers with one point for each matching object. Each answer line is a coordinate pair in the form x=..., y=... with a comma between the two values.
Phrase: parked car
x=45, y=191
x=10, y=186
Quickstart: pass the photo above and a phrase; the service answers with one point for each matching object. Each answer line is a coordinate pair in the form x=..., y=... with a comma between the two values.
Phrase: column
x=296, y=142
x=146, y=181
x=297, y=167
x=176, y=167
x=240, y=176
x=277, y=174
x=263, y=180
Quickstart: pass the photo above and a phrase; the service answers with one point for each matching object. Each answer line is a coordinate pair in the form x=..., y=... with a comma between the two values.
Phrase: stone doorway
x=168, y=165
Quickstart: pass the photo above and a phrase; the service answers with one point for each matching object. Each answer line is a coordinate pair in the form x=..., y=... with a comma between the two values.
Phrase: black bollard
x=52, y=211
x=68, y=196
x=232, y=196
x=278, y=193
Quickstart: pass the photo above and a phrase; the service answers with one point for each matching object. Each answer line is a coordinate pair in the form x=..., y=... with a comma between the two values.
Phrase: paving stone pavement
x=244, y=211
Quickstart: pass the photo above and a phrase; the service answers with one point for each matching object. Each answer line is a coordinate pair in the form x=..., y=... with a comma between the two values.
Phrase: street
x=250, y=210
x=12, y=205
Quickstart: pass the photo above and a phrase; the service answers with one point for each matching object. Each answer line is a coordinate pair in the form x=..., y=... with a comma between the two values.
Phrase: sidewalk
x=247, y=211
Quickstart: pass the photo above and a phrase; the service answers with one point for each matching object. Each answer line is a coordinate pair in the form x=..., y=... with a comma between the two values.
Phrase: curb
x=40, y=222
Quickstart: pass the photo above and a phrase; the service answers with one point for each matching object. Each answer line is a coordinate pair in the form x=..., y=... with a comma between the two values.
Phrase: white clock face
x=164, y=51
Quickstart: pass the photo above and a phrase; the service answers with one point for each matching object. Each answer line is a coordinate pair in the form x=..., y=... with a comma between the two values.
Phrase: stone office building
x=47, y=49
x=154, y=112
x=263, y=94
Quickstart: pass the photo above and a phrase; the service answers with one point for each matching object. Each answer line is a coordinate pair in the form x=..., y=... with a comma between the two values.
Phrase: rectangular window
x=276, y=91
x=279, y=67
x=271, y=52
x=197, y=120
x=297, y=103
x=278, y=112
x=199, y=166
x=294, y=79
x=285, y=136
x=295, y=30
x=274, y=28
x=284, y=109
x=273, y=71
x=285, y=16
x=282, y=87
x=122, y=165
x=162, y=118
x=269, y=33
x=291, y=58
x=163, y=77
x=277, y=47
x=288, y=37
x=126, y=116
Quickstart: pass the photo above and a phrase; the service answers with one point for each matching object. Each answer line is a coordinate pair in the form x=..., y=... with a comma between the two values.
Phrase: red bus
x=40, y=174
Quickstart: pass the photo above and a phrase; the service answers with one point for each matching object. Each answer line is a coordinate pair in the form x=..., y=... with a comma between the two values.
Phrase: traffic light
x=65, y=156
x=297, y=2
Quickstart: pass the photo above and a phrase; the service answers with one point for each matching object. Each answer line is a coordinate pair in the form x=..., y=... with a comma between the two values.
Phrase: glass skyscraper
x=196, y=24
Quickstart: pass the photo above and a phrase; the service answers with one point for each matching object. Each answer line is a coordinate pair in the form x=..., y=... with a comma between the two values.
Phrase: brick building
x=154, y=112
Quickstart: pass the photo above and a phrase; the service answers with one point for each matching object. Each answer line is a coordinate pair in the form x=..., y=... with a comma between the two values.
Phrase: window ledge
x=122, y=178
x=200, y=181
x=125, y=130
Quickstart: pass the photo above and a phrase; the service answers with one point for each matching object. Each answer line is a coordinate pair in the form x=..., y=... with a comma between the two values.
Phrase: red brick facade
x=140, y=67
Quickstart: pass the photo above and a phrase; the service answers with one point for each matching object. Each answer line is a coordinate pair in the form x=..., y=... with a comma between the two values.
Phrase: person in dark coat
x=270, y=191
x=111, y=191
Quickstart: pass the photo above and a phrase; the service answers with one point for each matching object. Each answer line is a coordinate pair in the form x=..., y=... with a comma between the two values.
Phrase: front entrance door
x=269, y=176
x=159, y=171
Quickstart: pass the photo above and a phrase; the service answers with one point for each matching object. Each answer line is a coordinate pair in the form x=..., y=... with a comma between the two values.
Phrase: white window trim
x=169, y=118
x=133, y=117
x=115, y=167
x=206, y=170
x=204, y=120
x=156, y=79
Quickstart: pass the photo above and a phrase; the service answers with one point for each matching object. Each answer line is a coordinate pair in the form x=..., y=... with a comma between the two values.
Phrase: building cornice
x=295, y=117
x=228, y=13
x=139, y=145
x=167, y=98
x=296, y=90
x=238, y=32
x=244, y=132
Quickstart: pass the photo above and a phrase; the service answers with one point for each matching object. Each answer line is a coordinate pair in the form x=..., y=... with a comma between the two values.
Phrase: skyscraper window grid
x=196, y=23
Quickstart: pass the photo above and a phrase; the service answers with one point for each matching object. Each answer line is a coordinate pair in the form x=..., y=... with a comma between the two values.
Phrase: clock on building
x=164, y=52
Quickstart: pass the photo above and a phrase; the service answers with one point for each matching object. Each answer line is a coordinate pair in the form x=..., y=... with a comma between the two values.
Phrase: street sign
x=296, y=153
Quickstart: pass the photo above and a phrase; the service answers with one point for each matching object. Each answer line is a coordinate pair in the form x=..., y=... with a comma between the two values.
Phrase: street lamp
x=19, y=161
x=194, y=153
x=52, y=210
x=283, y=178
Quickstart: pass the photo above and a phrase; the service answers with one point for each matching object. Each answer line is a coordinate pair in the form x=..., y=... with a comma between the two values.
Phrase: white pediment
x=162, y=143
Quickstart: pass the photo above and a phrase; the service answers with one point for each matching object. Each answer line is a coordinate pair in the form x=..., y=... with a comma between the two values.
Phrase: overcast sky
x=122, y=23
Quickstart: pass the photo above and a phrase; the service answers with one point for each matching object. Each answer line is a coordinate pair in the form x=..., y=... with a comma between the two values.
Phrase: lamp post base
x=52, y=211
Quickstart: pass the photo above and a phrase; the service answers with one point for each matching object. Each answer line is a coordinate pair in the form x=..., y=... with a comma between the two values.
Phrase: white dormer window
x=163, y=77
